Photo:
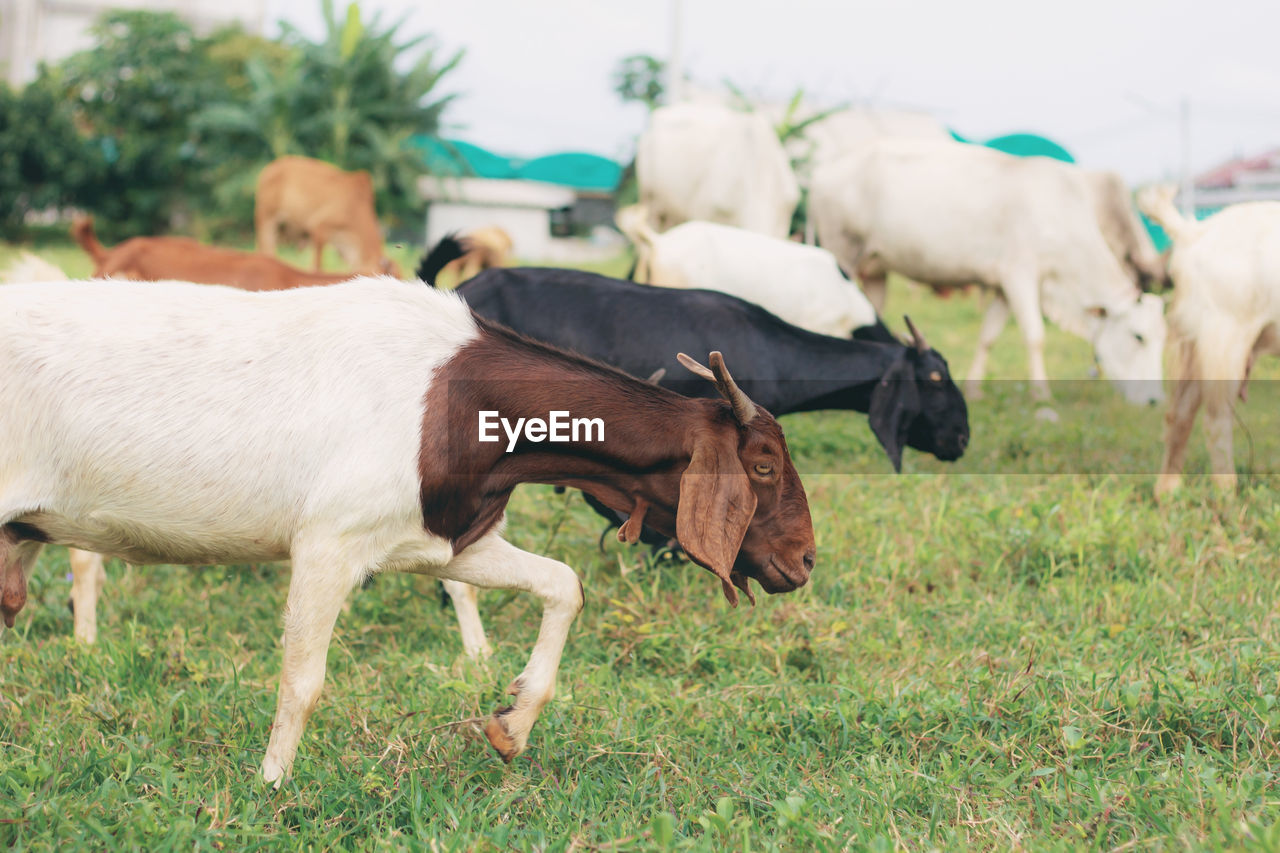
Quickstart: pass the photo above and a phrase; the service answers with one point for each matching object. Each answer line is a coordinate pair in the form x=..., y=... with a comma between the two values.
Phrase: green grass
x=1034, y=658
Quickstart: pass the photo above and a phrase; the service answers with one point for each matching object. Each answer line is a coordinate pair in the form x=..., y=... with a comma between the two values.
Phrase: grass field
x=1020, y=650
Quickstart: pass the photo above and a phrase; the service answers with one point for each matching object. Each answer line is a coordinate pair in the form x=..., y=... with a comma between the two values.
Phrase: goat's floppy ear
x=894, y=403
x=716, y=507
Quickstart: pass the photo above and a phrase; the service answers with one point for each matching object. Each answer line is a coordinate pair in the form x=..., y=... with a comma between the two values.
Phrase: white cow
x=1225, y=313
x=706, y=161
x=848, y=131
x=801, y=284
x=952, y=215
x=1123, y=230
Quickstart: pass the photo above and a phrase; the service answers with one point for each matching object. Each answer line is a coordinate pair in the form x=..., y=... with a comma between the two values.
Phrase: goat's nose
x=809, y=557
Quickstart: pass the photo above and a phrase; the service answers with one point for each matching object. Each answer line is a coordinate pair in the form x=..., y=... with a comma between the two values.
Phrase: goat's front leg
x=494, y=563
x=317, y=588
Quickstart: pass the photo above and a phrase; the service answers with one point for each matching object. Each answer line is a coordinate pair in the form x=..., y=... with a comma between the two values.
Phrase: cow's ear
x=894, y=405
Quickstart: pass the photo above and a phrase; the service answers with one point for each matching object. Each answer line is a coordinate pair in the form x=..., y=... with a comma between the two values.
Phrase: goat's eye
x=764, y=470
x=935, y=376
x=1139, y=338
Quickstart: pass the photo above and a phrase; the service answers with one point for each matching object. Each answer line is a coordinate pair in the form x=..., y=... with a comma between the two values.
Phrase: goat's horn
x=695, y=368
x=656, y=376
x=916, y=337
x=743, y=409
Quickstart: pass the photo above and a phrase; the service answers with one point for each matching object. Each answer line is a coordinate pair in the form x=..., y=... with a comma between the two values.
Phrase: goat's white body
x=801, y=284
x=172, y=422
x=194, y=424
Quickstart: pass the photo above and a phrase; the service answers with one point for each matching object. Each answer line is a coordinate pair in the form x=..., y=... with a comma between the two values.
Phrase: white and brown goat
x=337, y=427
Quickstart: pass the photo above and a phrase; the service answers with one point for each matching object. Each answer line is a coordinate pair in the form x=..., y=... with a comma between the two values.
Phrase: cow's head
x=1128, y=343
x=915, y=404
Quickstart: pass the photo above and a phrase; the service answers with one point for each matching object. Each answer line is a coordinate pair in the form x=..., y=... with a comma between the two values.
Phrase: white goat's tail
x=28, y=267
x=1156, y=201
x=633, y=222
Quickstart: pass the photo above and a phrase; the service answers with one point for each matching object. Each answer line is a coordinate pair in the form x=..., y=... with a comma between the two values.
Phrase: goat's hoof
x=502, y=742
x=274, y=772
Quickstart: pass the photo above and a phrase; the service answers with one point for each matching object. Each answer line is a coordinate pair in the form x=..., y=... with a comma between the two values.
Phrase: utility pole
x=675, y=61
x=1187, y=195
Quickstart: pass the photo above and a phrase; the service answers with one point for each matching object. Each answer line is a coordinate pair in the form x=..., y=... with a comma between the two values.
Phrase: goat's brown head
x=743, y=512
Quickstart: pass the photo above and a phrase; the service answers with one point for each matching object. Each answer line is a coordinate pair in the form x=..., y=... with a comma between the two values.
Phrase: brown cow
x=313, y=198
x=184, y=259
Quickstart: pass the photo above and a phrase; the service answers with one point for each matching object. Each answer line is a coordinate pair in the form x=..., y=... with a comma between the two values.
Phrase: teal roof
x=576, y=169
x=1029, y=145
x=1023, y=145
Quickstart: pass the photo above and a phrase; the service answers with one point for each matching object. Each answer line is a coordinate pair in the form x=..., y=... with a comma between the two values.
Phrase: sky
x=1104, y=78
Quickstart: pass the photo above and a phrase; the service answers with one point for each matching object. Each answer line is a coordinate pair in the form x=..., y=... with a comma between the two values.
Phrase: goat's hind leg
x=494, y=563
x=17, y=556
x=474, y=642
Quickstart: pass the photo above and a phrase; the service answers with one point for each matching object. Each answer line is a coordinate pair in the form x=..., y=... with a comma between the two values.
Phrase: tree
x=133, y=96
x=341, y=99
x=639, y=77
x=42, y=156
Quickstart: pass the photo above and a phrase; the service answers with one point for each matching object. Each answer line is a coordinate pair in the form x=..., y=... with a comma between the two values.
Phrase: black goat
x=906, y=390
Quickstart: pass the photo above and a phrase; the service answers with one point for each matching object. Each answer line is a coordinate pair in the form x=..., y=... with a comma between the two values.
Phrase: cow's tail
x=82, y=233
x=448, y=250
x=633, y=222
x=1157, y=202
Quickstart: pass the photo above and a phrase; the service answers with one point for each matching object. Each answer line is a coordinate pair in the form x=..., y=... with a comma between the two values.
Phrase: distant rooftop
x=1243, y=171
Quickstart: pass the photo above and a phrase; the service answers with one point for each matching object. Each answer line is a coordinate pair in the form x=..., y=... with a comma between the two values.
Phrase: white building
x=522, y=208
x=35, y=31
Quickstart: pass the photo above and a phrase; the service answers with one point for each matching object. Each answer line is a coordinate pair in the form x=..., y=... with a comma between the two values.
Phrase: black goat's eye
x=935, y=376
x=764, y=470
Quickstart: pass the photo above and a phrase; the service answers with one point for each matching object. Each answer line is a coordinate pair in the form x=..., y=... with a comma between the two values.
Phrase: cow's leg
x=17, y=556
x=267, y=230
x=494, y=563
x=876, y=288
x=1023, y=295
x=88, y=576
x=1178, y=421
x=993, y=322
x=474, y=642
x=1219, y=401
x=322, y=578
x=318, y=239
